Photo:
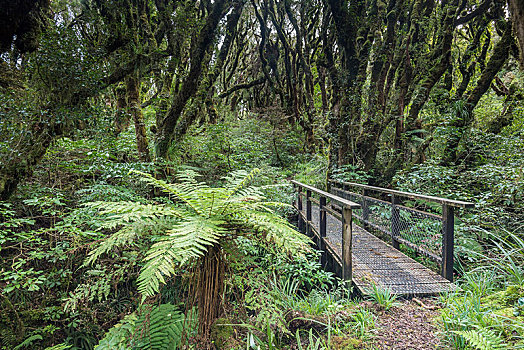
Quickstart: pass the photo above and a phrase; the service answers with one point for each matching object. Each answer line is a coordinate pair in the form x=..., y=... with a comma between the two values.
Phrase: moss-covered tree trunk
x=350, y=26
x=203, y=42
x=135, y=110
x=204, y=95
x=121, y=122
x=464, y=120
x=25, y=155
x=516, y=8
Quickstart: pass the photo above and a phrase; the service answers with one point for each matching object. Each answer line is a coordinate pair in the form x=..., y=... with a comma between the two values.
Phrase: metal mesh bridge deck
x=375, y=261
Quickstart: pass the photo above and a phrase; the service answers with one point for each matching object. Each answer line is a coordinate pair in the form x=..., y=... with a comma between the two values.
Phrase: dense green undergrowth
x=270, y=300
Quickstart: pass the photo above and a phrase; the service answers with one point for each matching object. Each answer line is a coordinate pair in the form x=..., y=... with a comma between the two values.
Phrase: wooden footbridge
x=366, y=233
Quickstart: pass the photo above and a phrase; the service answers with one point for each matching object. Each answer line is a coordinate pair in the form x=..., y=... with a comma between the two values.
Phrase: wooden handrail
x=449, y=202
x=341, y=201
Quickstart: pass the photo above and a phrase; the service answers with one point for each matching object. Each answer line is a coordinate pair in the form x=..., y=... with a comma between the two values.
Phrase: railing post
x=347, y=268
x=448, y=237
x=322, y=230
x=395, y=221
x=308, y=213
x=299, y=205
x=365, y=210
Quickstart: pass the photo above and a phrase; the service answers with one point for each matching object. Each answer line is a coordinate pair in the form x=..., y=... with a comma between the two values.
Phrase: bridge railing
x=324, y=202
x=422, y=223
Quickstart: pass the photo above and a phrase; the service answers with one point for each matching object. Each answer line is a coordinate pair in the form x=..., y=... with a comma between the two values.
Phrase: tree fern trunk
x=209, y=290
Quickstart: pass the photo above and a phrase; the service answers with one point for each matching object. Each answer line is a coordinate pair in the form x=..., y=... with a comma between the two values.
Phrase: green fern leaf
x=482, y=339
x=239, y=179
x=124, y=236
x=184, y=191
x=276, y=230
x=187, y=240
x=159, y=328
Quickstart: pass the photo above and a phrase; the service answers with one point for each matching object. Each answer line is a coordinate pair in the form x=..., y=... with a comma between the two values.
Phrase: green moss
x=505, y=302
x=221, y=332
x=346, y=343
x=32, y=315
x=504, y=298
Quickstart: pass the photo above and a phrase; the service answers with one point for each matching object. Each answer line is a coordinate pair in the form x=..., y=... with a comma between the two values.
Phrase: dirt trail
x=409, y=326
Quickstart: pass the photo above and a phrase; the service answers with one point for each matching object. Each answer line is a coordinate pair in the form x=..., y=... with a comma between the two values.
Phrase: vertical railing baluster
x=347, y=235
x=308, y=213
x=300, y=208
x=322, y=229
x=448, y=237
x=365, y=210
x=395, y=221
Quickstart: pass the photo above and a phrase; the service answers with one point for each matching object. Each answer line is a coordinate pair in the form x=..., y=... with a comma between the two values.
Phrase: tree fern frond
x=187, y=175
x=482, y=339
x=188, y=239
x=122, y=213
x=200, y=218
x=238, y=179
x=276, y=230
x=118, y=337
x=160, y=328
x=184, y=191
x=277, y=205
x=161, y=262
x=125, y=235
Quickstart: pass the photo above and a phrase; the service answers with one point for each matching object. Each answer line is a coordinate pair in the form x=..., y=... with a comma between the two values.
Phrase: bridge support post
x=322, y=231
x=365, y=210
x=299, y=207
x=347, y=235
x=395, y=221
x=308, y=213
x=448, y=238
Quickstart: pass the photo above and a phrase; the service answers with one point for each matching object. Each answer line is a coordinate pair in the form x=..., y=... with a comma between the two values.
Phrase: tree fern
x=482, y=339
x=200, y=217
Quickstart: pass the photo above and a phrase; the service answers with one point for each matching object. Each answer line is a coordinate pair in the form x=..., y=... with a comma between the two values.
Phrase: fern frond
x=482, y=339
x=275, y=230
x=122, y=213
x=124, y=236
x=187, y=175
x=200, y=217
x=184, y=191
x=160, y=328
x=239, y=179
x=188, y=239
x=118, y=337
x=61, y=346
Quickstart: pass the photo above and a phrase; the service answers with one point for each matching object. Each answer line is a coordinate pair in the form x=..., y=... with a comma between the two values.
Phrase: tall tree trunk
x=204, y=95
x=26, y=153
x=204, y=41
x=135, y=109
x=121, y=122
x=516, y=8
x=346, y=113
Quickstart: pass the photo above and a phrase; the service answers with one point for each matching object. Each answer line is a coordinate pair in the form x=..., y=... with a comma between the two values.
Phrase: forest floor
x=409, y=326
